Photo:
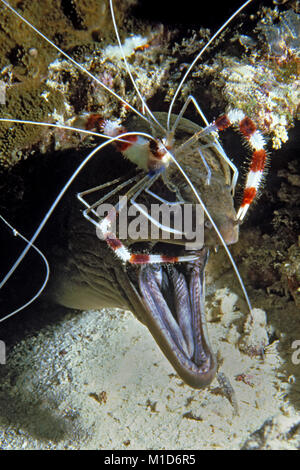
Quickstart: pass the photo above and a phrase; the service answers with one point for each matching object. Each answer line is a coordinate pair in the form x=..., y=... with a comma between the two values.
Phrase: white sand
x=97, y=380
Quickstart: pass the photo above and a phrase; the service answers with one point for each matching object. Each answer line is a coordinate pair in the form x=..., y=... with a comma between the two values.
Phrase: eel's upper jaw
x=173, y=299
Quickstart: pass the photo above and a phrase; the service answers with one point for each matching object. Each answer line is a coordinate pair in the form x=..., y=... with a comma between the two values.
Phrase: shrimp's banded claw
x=254, y=139
x=259, y=155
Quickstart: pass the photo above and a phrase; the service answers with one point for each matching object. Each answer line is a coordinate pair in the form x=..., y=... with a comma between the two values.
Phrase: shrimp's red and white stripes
x=122, y=251
x=140, y=258
x=144, y=153
x=257, y=143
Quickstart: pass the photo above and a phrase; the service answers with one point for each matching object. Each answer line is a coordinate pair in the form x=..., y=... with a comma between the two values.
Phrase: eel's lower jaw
x=173, y=297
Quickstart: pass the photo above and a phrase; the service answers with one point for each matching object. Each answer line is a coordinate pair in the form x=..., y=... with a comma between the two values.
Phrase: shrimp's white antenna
x=79, y=66
x=59, y=126
x=47, y=124
x=199, y=55
x=145, y=106
x=12, y=269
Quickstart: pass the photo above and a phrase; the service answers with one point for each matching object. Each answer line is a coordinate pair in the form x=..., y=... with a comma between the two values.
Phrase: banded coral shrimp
x=160, y=158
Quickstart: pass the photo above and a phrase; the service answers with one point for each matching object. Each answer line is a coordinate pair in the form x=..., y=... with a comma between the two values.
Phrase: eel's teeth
x=183, y=309
x=159, y=307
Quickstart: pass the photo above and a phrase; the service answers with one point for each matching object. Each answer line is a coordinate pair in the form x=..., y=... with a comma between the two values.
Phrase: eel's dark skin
x=169, y=299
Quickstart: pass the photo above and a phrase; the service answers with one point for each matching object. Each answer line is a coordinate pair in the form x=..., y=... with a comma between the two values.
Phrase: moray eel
x=168, y=299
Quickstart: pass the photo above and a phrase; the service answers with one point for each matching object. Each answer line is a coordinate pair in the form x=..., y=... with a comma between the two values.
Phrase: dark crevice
x=71, y=12
x=16, y=55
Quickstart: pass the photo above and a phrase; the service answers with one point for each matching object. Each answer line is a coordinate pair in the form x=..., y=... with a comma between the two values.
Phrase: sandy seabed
x=97, y=380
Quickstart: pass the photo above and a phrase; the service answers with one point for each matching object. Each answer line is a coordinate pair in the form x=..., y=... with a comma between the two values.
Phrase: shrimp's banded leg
x=123, y=253
x=259, y=155
x=105, y=225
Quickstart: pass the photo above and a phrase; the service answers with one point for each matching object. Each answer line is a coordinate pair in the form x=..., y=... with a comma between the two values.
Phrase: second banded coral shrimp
x=166, y=164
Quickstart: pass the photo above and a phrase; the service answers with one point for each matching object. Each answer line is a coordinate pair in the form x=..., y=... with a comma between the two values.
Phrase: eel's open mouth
x=173, y=297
